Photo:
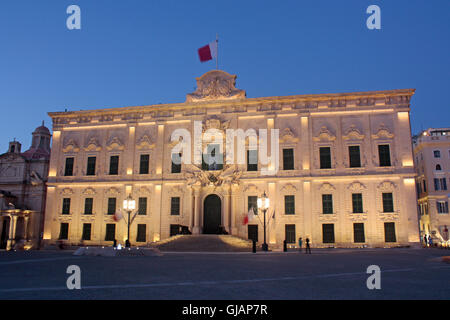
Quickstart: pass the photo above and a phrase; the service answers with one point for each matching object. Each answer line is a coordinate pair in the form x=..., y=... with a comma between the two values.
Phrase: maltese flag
x=118, y=215
x=249, y=216
x=208, y=52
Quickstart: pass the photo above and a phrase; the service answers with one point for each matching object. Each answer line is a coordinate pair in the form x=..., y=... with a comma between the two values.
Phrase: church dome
x=42, y=130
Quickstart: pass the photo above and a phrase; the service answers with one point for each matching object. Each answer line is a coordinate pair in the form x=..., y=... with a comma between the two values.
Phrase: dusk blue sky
x=142, y=52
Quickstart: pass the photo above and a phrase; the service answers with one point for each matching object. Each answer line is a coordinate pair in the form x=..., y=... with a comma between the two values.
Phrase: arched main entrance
x=212, y=214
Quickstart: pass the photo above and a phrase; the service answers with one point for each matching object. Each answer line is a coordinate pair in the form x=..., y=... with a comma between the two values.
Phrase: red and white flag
x=249, y=216
x=118, y=215
x=208, y=52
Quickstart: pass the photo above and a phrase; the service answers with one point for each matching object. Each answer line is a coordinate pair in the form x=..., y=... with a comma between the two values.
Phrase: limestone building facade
x=432, y=158
x=23, y=177
x=345, y=175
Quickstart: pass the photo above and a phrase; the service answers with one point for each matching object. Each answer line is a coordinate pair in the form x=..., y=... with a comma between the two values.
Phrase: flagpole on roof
x=217, y=58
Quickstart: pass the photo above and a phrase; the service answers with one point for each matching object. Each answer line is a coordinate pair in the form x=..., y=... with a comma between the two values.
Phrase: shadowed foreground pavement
x=326, y=274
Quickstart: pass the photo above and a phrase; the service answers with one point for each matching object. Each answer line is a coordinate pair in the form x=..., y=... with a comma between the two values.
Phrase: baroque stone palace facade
x=345, y=175
x=432, y=158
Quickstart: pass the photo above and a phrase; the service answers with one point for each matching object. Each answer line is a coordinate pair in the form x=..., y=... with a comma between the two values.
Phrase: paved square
x=325, y=274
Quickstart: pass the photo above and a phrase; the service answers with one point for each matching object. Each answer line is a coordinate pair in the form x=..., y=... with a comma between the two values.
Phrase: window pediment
x=288, y=136
x=115, y=144
x=327, y=187
x=387, y=186
x=288, y=188
x=89, y=191
x=324, y=135
x=70, y=146
x=145, y=143
x=356, y=186
x=67, y=191
x=383, y=133
x=93, y=145
x=353, y=134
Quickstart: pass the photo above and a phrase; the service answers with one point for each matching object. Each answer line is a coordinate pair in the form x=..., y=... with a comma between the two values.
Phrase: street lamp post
x=129, y=205
x=263, y=204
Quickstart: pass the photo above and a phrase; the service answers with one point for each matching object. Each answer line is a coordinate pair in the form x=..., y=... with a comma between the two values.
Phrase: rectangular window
x=90, y=170
x=66, y=206
x=64, y=231
x=288, y=159
x=325, y=157
x=86, y=231
x=112, y=202
x=443, y=182
x=358, y=233
x=144, y=164
x=384, y=155
x=357, y=203
x=68, y=170
x=213, y=160
x=442, y=206
x=388, y=202
x=110, y=232
x=114, y=165
x=252, y=203
x=354, y=156
x=142, y=210
x=88, y=204
x=424, y=186
x=289, y=204
x=327, y=203
x=252, y=160
x=175, y=206
x=437, y=153
x=389, y=232
x=328, y=233
x=141, y=233
x=290, y=233
x=253, y=232
x=437, y=185
x=176, y=163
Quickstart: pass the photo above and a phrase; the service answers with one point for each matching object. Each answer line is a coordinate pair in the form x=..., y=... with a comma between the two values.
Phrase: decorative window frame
x=176, y=191
x=288, y=189
x=325, y=138
x=357, y=187
x=89, y=192
x=63, y=167
x=382, y=137
x=387, y=186
x=145, y=192
x=354, y=137
x=112, y=192
x=137, y=164
x=250, y=190
x=65, y=193
x=326, y=188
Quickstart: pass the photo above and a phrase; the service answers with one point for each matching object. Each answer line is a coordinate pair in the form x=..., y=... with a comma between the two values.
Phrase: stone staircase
x=204, y=243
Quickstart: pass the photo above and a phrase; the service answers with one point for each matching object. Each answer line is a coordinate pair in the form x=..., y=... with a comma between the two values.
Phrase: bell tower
x=14, y=146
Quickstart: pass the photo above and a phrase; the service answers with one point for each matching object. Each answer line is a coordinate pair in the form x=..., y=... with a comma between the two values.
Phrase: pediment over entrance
x=216, y=85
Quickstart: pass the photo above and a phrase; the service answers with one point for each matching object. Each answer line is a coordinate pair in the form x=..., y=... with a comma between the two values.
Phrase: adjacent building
x=344, y=177
x=23, y=177
x=432, y=159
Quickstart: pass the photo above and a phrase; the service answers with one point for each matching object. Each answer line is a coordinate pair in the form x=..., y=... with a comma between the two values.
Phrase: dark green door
x=212, y=216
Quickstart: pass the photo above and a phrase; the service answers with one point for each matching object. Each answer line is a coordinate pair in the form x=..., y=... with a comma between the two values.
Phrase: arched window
x=438, y=167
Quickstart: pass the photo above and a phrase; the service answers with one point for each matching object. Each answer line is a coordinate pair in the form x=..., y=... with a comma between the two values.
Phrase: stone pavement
x=325, y=274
